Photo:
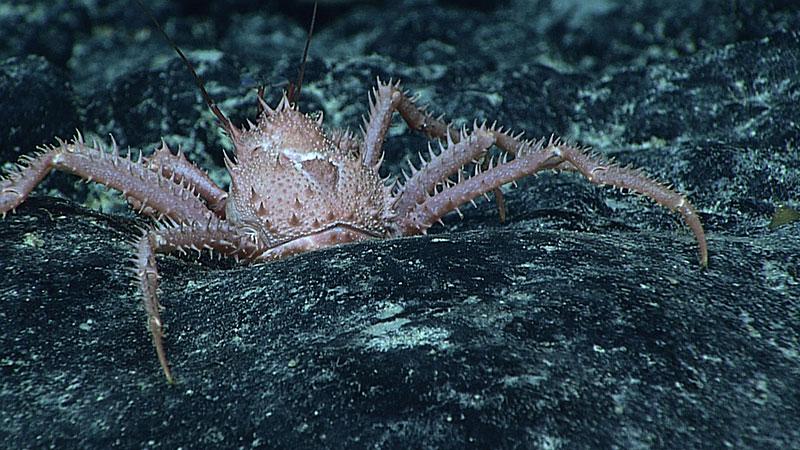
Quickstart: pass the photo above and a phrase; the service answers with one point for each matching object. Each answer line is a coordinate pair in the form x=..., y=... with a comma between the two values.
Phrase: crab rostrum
x=296, y=187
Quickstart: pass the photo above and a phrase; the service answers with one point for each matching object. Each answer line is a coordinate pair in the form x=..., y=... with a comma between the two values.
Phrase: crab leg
x=179, y=168
x=537, y=156
x=418, y=119
x=601, y=172
x=213, y=234
x=384, y=101
x=388, y=98
x=532, y=157
x=450, y=160
x=133, y=178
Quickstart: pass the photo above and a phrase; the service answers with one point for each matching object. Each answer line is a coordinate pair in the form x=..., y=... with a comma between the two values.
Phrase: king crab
x=296, y=187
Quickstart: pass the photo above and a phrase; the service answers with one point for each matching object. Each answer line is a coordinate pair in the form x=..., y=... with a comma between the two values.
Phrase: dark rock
x=494, y=338
x=38, y=104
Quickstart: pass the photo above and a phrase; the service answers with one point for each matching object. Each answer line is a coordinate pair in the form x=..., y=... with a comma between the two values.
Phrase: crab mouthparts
x=331, y=235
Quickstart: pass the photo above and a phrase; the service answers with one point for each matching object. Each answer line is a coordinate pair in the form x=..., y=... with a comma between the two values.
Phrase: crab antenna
x=214, y=108
x=294, y=90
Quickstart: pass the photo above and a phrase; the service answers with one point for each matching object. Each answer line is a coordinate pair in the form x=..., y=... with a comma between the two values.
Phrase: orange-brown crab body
x=297, y=191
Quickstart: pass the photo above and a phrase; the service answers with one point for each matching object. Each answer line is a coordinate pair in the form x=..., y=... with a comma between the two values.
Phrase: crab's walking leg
x=388, y=98
x=213, y=234
x=384, y=101
x=450, y=160
x=147, y=276
x=178, y=168
x=601, y=172
x=543, y=155
x=133, y=178
x=16, y=187
x=532, y=157
x=611, y=174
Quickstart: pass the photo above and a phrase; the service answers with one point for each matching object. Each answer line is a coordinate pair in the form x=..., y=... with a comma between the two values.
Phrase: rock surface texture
x=583, y=321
